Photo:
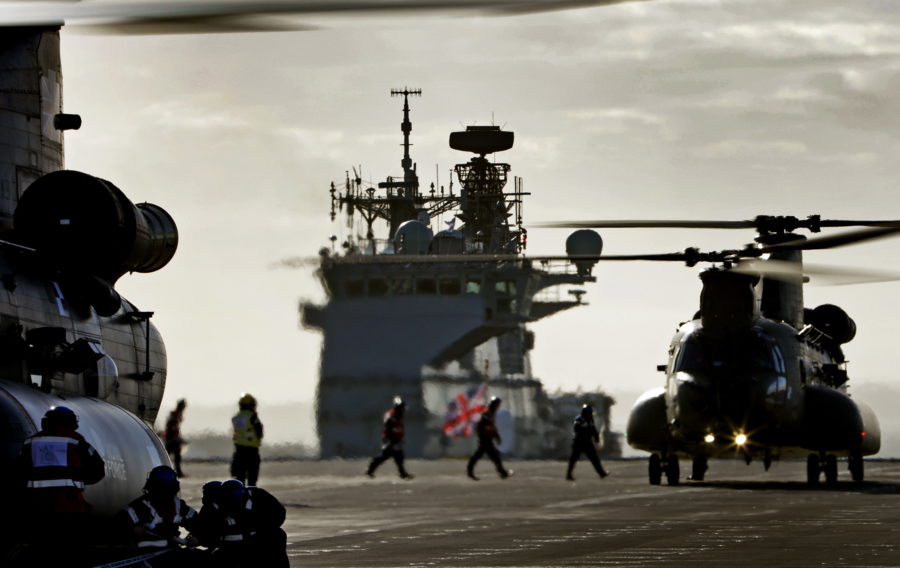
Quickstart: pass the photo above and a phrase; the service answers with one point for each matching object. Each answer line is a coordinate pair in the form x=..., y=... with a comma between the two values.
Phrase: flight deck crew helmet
x=59, y=417
x=399, y=404
x=495, y=402
x=247, y=401
x=232, y=495
x=212, y=490
x=162, y=479
x=587, y=410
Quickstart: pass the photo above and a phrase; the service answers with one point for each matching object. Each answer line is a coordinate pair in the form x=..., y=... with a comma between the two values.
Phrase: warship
x=440, y=319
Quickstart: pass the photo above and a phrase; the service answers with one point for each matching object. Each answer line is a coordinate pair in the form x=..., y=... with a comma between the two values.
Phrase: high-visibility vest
x=244, y=429
x=55, y=465
x=159, y=529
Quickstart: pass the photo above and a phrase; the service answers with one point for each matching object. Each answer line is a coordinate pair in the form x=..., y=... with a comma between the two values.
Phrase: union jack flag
x=464, y=411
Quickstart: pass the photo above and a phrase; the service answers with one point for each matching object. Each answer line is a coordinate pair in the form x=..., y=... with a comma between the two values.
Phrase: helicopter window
x=378, y=287
x=355, y=288
x=401, y=286
x=449, y=286
x=426, y=286
x=473, y=285
x=757, y=354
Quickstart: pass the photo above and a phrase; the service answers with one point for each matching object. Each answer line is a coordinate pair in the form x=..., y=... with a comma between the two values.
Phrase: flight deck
x=740, y=516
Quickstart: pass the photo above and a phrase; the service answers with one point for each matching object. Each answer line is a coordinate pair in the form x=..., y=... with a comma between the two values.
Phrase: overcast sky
x=695, y=109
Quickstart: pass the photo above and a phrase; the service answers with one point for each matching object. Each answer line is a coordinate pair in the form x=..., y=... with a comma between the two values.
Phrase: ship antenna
x=409, y=174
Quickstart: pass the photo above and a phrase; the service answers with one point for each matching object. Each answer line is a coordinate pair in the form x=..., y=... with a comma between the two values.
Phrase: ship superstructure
x=428, y=316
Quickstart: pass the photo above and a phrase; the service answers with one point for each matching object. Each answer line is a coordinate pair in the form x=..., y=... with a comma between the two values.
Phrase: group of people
x=584, y=440
x=237, y=526
x=247, y=434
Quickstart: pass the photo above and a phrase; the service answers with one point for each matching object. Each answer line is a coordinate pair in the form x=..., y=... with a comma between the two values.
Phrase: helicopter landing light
x=740, y=439
x=709, y=438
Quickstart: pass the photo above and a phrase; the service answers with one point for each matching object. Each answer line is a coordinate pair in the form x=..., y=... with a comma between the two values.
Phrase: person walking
x=247, y=435
x=172, y=435
x=487, y=435
x=585, y=436
x=392, y=440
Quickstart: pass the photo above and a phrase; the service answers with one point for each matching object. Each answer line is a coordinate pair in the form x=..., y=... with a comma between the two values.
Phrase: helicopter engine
x=833, y=321
x=88, y=231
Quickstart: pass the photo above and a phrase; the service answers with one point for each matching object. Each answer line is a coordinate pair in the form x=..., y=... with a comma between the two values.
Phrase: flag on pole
x=464, y=412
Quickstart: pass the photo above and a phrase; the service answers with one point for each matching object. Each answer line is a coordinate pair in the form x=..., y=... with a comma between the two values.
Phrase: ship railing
x=360, y=254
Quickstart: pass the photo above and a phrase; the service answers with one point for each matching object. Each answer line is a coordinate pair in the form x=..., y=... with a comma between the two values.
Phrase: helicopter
x=66, y=237
x=754, y=374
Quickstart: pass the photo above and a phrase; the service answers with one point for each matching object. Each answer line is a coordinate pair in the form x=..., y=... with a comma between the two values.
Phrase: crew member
x=174, y=441
x=154, y=520
x=52, y=469
x=487, y=434
x=585, y=435
x=243, y=526
x=248, y=433
x=392, y=440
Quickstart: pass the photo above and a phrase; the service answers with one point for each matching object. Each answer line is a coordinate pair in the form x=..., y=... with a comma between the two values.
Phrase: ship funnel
x=584, y=243
x=482, y=140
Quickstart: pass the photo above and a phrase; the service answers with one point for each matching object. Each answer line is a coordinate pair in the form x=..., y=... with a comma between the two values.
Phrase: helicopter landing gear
x=855, y=464
x=812, y=469
x=665, y=464
x=655, y=469
x=830, y=469
x=823, y=463
x=672, y=470
x=698, y=468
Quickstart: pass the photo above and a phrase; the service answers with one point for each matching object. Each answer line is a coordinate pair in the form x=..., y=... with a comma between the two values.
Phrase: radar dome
x=584, y=242
x=412, y=237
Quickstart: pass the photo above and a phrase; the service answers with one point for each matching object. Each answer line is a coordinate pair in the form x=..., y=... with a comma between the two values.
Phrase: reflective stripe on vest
x=44, y=483
x=153, y=543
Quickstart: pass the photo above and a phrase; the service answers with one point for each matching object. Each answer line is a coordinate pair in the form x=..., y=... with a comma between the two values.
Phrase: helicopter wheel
x=672, y=471
x=857, y=469
x=698, y=468
x=831, y=471
x=655, y=469
x=812, y=469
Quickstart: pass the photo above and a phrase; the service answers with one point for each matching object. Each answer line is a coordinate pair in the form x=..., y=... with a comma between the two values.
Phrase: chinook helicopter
x=754, y=374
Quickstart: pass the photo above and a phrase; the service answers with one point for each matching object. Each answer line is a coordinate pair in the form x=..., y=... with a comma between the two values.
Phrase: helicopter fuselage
x=765, y=390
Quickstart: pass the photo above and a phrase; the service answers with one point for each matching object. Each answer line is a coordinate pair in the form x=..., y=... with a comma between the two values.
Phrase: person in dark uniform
x=248, y=433
x=242, y=526
x=50, y=472
x=585, y=435
x=153, y=521
x=392, y=440
x=487, y=433
x=173, y=440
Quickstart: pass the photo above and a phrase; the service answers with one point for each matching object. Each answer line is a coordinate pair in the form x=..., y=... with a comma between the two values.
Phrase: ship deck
x=742, y=516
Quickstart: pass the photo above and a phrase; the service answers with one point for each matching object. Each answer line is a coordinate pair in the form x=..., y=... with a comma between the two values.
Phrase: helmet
x=247, y=400
x=399, y=404
x=232, y=494
x=162, y=479
x=59, y=417
x=211, y=492
x=587, y=410
x=181, y=403
x=495, y=402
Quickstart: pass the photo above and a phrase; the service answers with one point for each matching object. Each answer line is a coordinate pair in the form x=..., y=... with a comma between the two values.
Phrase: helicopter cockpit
x=757, y=352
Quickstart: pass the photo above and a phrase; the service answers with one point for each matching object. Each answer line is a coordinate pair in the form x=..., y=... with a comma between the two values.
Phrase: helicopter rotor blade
x=835, y=241
x=168, y=17
x=832, y=275
x=648, y=224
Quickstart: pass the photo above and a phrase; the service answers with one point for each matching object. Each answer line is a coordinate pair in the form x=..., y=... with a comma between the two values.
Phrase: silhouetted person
x=248, y=433
x=153, y=521
x=173, y=440
x=392, y=440
x=242, y=526
x=584, y=438
x=51, y=470
x=487, y=434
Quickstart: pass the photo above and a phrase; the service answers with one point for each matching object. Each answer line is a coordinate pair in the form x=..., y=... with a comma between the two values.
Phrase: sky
x=692, y=109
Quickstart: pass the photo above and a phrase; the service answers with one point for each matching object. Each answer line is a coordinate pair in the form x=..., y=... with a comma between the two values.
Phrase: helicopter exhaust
x=91, y=233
